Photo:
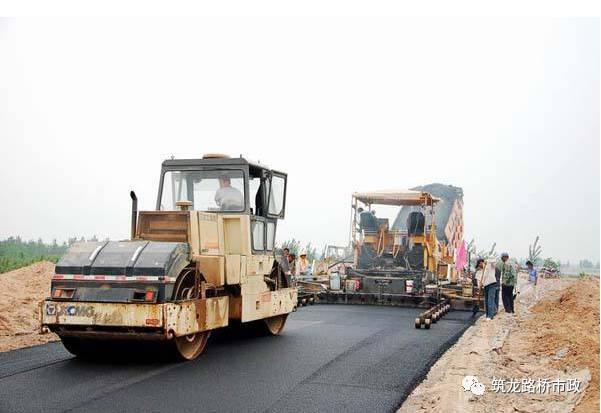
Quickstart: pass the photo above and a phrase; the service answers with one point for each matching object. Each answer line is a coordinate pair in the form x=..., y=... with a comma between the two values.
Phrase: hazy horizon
x=506, y=108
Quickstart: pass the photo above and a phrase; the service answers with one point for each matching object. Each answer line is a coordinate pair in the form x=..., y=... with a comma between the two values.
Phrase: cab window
x=258, y=235
x=270, y=238
x=216, y=190
x=276, y=195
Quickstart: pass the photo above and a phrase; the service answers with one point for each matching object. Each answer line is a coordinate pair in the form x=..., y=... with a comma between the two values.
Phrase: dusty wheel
x=418, y=323
x=275, y=325
x=427, y=323
x=191, y=346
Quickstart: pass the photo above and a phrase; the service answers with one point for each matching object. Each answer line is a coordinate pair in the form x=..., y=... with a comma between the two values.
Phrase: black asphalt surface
x=329, y=358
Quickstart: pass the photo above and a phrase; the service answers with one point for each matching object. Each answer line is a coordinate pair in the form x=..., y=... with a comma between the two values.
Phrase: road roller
x=201, y=261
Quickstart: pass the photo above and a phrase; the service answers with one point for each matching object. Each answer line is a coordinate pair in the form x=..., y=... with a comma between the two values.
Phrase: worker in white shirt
x=303, y=264
x=485, y=274
x=227, y=197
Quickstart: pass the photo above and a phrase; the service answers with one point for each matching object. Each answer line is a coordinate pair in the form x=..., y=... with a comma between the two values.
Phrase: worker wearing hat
x=508, y=280
x=303, y=264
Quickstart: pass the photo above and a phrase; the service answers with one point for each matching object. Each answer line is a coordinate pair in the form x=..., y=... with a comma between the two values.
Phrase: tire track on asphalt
x=32, y=358
x=15, y=373
x=354, y=348
x=107, y=391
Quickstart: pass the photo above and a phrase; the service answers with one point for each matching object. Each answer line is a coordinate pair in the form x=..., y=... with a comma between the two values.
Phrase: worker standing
x=485, y=274
x=532, y=273
x=303, y=264
x=532, y=278
x=508, y=279
x=284, y=263
x=292, y=263
x=497, y=288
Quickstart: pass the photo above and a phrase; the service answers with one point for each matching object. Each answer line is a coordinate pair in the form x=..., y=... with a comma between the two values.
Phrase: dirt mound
x=22, y=290
x=567, y=331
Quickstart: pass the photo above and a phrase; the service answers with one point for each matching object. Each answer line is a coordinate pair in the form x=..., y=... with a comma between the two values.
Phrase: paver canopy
x=404, y=197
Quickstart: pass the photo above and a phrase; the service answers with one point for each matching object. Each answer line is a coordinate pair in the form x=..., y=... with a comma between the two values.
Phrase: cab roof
x=216, y=160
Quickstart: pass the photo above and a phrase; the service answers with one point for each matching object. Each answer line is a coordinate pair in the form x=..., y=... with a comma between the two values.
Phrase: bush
x=550, y=264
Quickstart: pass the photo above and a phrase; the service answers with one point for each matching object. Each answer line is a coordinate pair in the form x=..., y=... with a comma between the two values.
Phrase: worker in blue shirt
x=532, y=273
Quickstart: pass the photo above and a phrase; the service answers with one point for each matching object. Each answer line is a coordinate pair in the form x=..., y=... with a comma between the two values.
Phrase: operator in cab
x=227, y=197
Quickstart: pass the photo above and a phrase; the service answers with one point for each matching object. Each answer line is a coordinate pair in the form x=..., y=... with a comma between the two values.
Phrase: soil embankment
x=553, y=335
x=22, y=291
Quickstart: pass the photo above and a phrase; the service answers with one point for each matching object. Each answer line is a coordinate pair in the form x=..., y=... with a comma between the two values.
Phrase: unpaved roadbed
x=554, y=335
x=22, y=290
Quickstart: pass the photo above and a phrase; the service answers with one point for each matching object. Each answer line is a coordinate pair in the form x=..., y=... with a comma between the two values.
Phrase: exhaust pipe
x=134, y=213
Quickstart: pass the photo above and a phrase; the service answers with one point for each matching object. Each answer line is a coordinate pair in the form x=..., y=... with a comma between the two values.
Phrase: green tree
x=552, y=264
x=534, y=252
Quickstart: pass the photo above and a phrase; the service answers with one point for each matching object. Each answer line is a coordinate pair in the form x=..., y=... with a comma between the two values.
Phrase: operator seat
x=368, y=222
x=416, y=223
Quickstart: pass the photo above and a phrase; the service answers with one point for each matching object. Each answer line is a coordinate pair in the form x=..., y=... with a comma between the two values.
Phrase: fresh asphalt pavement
x=328, y=358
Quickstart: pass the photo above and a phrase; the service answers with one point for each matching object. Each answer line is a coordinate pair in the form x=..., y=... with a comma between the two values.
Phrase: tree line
x=534, y=255
x=16, y=253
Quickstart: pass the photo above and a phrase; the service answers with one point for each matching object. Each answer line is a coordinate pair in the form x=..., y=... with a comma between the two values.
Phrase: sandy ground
x=22, y=290
x=554, y=335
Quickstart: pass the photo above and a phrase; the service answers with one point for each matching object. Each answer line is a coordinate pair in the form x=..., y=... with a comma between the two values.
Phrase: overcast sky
x=507, y=109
